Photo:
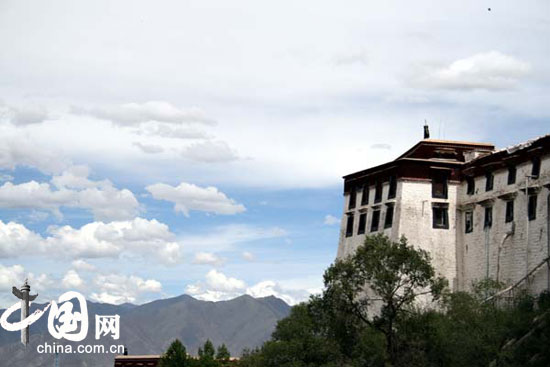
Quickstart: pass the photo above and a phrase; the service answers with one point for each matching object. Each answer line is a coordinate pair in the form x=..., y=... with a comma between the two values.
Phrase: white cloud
x=248, y=256
x=331, y=220
x=72, y=280
x=24, y=114
x=210, y=152
x=140, y=237
x=490, y=70
x=117, y=289
x=16, y=239
x=218, y=281
x=135, y=113
x=11, y=276
x=218, y=287
x=15, y=275
x=18, y=149
x=82, y=265
x=166, y=130
x=188, y=197
x=208, y=258
x=74, y=190
x=149, y=148
x=225, y=237
x=270, y=288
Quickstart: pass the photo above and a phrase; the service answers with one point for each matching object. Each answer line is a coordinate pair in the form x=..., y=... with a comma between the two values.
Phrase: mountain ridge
x=149, y=328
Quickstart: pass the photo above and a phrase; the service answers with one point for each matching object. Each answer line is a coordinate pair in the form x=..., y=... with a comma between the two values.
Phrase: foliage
x=352, y=326
x=206, y=355
x=396, y=275
x=222, y=355
x=175, y=356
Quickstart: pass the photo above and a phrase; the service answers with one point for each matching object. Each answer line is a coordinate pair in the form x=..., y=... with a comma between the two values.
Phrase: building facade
x=478, y=212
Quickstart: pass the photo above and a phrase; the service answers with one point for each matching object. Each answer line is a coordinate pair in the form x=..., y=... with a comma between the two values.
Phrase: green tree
x=222, y=354
x=206, y=355
x=298, y=341
x=175, y=356
x=396, y=275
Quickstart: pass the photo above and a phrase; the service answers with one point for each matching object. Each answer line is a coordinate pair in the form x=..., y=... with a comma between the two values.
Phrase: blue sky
x=153, y=149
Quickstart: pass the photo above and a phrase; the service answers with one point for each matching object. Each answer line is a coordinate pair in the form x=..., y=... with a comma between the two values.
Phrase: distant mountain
x=243, y=322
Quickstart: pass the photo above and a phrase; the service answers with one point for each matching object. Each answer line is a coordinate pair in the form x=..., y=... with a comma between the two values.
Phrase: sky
x=150, y=149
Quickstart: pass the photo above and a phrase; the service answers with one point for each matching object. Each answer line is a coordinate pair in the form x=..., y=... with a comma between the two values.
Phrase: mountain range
x=243, y=322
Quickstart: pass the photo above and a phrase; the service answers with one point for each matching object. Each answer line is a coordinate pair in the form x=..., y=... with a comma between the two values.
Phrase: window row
x=508, y=214
x=374, y=224
x=377, y=193
x=512, y=173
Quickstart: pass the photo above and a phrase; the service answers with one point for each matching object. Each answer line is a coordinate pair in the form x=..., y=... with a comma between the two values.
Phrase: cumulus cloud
x=72, y=189
x=207, y=258
x=149, y=148
x=24, y=114
x=210, y=151
x=117, y=289
x=331, y=220
x=72, y=280
x=20, y=150
x=15, y=275
x=136, y=113
x=148, y=239
x=82, y=265
x=187, y=197
x=218, y=287
x=490, y=70
x=16, y=240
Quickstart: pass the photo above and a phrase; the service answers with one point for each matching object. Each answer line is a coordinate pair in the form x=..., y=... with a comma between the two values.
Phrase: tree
x=222, y=355
x=298, y=340
x=206, y=355
x=380, y=281
x=175, y=356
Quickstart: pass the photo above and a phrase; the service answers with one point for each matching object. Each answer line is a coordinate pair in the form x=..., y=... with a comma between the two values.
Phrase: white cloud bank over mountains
x=218, y=287
x=111, y=288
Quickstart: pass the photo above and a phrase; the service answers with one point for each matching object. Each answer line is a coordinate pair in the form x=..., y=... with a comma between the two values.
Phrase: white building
x=478, y=211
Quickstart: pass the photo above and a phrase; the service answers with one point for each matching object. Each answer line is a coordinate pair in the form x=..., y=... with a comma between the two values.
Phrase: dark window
x=535, y=170
x=388, y=221
x=378, y=192
x=471, y=186
x=509, y=211
x=393, y=187
x=439, y=185
x=349, y=226
x=488, y=217
x=365, y=195
x=352, y=198
x=375, y=221
x=532, y=207
x=441, y=217
x=489, y=180
x=469, y=222
x=362, y=223
x=511, y=175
